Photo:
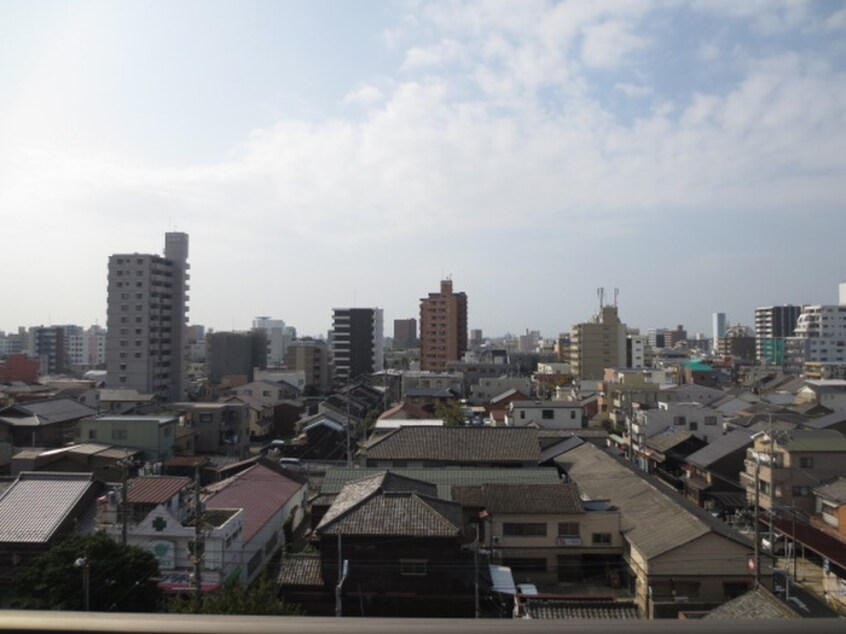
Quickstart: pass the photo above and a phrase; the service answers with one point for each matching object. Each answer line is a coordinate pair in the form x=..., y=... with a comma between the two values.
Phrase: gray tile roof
x=834, y=490
x=651, y=520
x=443, y=478
x=48, y=412
x=665, y=440
x=521, y=498
x=720, y=447
x=458, y=445
x=823, y=422
x=389, y=504
x=556, y=609
x=759, y=603
x=37, y=504
x=300, y=570
x=391, y=513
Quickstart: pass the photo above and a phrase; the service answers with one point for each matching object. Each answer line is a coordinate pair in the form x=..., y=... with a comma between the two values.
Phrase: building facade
x=146, y=347
x=357, y=342
x=772, y=325
x=310, y=356
x=597, y=345
x=405, y=334
x=443, y=327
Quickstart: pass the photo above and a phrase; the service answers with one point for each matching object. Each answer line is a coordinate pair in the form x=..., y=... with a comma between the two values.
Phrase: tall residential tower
x=443, y=327
x=146, y=347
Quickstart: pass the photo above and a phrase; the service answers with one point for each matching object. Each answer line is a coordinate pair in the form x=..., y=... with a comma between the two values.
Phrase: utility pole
x=755, y=520
x=476, y=569
x=199, y=545
x=343, y=571
x=124, y=500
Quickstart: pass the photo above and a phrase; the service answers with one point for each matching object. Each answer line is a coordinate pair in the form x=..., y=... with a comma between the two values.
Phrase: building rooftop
x=521, y=498
x=759, y=603
x=155, y=489
x=47, y=412
x=720, y=447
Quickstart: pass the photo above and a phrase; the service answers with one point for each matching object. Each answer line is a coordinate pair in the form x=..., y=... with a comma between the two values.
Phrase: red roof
x=414, y=411
x=259, y=490
x=155, y=489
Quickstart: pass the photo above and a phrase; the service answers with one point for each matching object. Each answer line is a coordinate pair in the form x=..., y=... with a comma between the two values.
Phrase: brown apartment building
x=443, y=327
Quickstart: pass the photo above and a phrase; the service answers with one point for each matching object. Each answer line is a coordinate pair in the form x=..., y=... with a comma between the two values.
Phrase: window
x=679, y=420
x=568, y=529
x=601, y=539
x=572, y=415
x=710, y=420
x=522, y=414
x=205, y=417
x=118, y=434
x=694, y=425
x=800, y=492
x=547, y=414
x=513, y=529
x=92, y=434
x=414, y=567
x=806, y=462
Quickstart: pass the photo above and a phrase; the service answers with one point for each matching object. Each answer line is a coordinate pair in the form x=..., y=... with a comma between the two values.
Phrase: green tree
x=451, y=414
x=120, y=578
x=259, y=598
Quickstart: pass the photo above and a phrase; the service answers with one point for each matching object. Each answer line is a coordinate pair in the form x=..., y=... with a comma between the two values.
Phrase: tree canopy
x=260, y=598
x=120, y=578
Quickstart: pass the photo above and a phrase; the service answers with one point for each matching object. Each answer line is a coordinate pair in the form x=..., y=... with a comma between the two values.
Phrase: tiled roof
x=823, y=422
x=260, y=491
x=457, y=444
x=356, y=491
x=444, y=479
x=834, y=490
x=823, y=440
x=187, y=461
x=300, y=570
x=34, y=507
x=521, y=498
x=155, y=489
x=720, y=447
x=389, y=513
x=559, y=447
x=759, y=603
x=48, y=412
x=651, y=520
x=666, y=440
x=555, y=609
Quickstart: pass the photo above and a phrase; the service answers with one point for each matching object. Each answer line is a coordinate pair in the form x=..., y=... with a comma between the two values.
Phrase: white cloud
x=633, y=90
x=608, y=43
x=364, y=96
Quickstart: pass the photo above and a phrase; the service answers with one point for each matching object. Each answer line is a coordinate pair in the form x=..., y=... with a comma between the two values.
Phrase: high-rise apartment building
x=357, y=342
x=310, y=356
x=147, y=305
x=278, y=338
x=598, y=344
x=718, y=328
x=443, y=327
x=405, y=334
x=772, y=325
x=819, y=337
x=235, y=355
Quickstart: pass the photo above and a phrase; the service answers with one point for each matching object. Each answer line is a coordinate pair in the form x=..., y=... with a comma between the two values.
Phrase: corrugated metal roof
x=155, y=489
x=49, y=411
x=835, y=490
x=38, y=502
x=651, y=520
x=260, y=491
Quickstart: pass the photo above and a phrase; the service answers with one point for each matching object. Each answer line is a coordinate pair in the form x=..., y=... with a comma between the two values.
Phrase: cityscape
x=419, y=315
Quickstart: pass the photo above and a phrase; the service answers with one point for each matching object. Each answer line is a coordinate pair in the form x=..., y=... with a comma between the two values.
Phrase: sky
x=329, y=154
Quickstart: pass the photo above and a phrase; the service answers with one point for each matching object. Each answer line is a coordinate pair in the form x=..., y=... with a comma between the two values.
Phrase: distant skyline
x=324, y=154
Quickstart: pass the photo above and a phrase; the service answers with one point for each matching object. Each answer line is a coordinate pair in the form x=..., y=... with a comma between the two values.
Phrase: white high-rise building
x=819, y=336
x=278, y=339
x=146, y=343
x=718, y=328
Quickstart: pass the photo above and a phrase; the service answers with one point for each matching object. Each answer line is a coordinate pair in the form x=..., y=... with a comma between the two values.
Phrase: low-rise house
x=790, y=465
x=402, y=411
x=101, y=460
x=830, y=393
x=700, y=421
x=665, y=453
x=756, y=604
x=678, y=556
x=272, y=499
x=153, y=435
x=401, y=548
x=712, y=477
x=125, y=401
x=830, y=519
x=545, y=414
x=219, y=427
x=544, y=532
x=322, y=437
x=45, y=423
x=487, y=388
x=38, y=510
x=259, y=415
x=161, y=518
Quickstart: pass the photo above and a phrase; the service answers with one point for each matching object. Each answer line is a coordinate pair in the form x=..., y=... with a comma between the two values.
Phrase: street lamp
x=82, y=562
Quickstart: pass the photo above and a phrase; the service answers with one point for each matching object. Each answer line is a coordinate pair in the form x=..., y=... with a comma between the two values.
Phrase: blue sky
x=326, y=154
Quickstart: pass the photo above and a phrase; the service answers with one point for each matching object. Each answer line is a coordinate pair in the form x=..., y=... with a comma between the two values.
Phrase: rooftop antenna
x=616, y=293
x=600, y=293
